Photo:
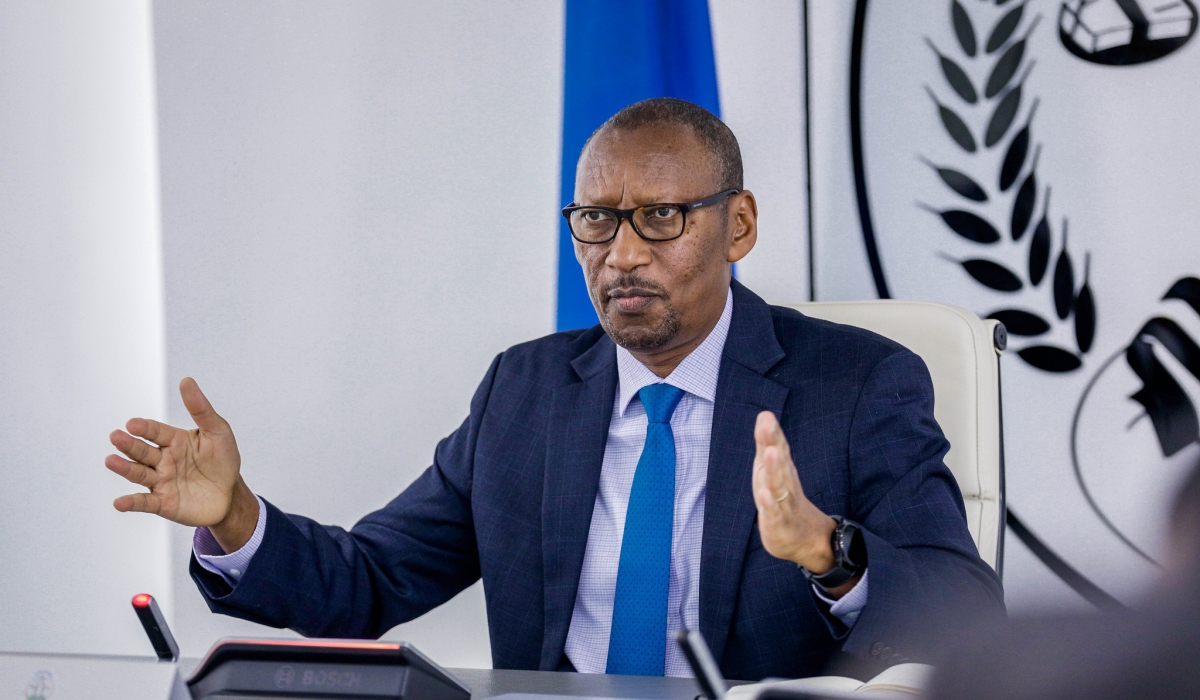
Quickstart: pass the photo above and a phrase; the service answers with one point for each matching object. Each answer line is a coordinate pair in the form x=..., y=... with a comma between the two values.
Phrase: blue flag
x=619, y=52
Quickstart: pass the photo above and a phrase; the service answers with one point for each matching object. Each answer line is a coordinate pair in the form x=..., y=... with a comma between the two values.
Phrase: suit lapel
x=577, y=432
x=751, y=350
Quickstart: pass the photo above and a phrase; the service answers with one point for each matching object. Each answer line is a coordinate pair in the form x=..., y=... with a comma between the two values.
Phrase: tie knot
x=660, y=401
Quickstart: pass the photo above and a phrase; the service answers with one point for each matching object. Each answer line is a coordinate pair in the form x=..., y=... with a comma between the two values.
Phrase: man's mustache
x=632, y=286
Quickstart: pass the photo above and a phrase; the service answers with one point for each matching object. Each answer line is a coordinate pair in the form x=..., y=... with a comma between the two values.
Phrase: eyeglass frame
x=623, y=214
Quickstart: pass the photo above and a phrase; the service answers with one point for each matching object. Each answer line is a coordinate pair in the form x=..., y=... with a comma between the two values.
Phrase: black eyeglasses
x=653, y=222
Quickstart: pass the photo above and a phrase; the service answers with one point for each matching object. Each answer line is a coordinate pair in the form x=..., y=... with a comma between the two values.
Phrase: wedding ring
x=786, y=493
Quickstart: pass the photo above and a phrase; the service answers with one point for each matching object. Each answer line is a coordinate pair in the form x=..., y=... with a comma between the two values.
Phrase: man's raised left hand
x=791, y=527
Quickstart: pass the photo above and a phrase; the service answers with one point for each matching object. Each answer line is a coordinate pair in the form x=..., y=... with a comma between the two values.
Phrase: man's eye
x=663, y=212
x=595, y=216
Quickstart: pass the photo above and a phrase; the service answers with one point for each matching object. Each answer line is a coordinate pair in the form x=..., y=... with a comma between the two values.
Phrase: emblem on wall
x=1125, y=32
x=1068, y=299
x=1146, y=393
x=996, y=170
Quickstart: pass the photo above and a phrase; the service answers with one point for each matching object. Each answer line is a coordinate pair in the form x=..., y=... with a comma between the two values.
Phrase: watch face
x=854, y=546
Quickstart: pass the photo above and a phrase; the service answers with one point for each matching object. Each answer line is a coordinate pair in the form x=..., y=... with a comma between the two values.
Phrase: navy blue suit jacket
x=509, y=498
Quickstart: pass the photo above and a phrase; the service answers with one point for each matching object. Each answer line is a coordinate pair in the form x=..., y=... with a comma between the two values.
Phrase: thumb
x=202, y=411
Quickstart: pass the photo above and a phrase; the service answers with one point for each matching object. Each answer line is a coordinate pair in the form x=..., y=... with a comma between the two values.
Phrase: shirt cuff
x=848, y=607
x=228, y=566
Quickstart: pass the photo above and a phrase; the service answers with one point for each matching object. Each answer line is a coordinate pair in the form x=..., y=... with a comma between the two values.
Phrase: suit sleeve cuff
x=847, y=608
x=232, y=566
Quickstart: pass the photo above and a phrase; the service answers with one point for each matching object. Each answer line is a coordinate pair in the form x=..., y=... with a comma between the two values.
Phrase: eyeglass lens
x=659, y=222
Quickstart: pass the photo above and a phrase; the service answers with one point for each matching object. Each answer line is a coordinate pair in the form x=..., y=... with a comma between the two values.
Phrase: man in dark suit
x=607, y=482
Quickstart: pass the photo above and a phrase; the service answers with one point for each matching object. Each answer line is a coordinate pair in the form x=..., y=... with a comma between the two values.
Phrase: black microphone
x=708, y=676
x=156, y=627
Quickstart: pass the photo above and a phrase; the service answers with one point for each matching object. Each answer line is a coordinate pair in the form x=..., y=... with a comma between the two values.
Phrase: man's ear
x=744, y=212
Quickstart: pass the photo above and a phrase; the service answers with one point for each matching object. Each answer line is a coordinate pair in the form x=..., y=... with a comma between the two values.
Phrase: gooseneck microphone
x=704, y=667
x=156, y=627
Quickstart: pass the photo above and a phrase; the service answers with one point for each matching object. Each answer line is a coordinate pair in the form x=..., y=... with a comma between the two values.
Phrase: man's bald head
x=717, y=139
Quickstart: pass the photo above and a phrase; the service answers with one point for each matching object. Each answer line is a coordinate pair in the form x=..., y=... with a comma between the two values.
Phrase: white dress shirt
x=691, y=423
x=591, y=620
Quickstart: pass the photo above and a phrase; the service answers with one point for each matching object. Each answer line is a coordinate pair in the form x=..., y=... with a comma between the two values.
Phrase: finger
x=762, y=483
x=198, y=405
x=134, y=448
x=775, y=470
x=758, y=474
x=779, y=440
x=773, y=519
x=768, y=507
x=138, y=503
x=135, y=472
x=763, y=429
x=773, y=514
x=768, y=433
x=152, y=430
x=758, y=479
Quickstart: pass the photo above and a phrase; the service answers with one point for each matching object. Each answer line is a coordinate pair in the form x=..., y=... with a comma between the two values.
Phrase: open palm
x=192, y=475
x=790, y=526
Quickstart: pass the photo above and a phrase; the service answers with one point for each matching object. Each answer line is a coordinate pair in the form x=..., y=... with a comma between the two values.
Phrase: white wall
x=359, y=206
x=760, y=75
x=81, y=336
x=843, y=273
x=358, y=211
x=1108, y=145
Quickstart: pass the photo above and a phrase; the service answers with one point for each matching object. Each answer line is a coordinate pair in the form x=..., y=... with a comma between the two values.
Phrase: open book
x=901, y=680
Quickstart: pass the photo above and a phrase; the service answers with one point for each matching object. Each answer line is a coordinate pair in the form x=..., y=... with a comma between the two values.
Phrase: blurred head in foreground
x=1147, y=652
x=1183, y=558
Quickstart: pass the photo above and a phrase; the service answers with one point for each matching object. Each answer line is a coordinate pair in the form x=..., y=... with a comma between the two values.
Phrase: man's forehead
x=660, y=141
x=667, y=156
x=652, y=162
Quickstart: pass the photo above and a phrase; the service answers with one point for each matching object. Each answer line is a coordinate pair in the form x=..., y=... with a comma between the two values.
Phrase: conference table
x=487, y=683
x=99, y=677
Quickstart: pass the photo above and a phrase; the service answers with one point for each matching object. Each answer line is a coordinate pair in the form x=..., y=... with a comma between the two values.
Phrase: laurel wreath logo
x=1070, y=298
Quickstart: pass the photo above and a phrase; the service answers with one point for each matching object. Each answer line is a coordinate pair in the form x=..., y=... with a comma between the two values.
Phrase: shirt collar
x=697, y=374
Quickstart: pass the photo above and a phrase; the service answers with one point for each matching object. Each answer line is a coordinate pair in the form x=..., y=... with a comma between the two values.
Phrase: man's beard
x=640, y=338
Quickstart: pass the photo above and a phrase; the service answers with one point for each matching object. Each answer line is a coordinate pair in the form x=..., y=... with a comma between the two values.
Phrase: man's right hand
x=194, y=476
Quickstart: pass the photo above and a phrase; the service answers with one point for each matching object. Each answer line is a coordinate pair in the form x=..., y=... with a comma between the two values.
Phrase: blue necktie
x=637, y=645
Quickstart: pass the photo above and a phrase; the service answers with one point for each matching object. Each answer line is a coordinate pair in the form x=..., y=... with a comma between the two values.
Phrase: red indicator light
x=142, y=600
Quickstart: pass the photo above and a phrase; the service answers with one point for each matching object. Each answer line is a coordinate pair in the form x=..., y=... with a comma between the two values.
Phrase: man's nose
x=628, y=250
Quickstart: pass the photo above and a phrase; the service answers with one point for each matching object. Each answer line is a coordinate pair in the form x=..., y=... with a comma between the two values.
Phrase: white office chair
x=962, y=353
